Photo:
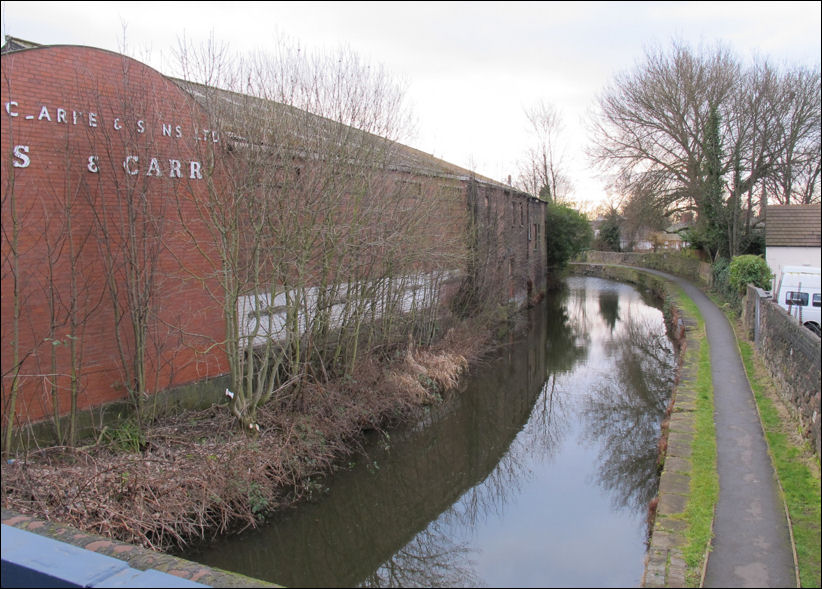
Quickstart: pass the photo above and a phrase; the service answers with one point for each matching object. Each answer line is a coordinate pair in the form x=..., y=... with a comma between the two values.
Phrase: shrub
x=749, y=269
x=567, y=233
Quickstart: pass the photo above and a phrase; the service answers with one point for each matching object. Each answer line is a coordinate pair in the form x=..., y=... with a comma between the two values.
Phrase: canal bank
x=750, y=541
x=547, y=457
x=665, y=564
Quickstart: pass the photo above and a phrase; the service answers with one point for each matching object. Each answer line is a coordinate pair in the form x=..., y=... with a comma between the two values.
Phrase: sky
x=470, y=69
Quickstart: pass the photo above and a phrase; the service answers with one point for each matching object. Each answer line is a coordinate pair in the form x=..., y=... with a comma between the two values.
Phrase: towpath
x=751, y=546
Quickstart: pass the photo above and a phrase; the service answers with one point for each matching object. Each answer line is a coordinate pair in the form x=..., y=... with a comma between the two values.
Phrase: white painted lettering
x=141, y=126
x=8, y=108
x=92, y=164
x=178, y=131
x=117, y=125
x=44, y=114
x=61, y=116
x=92, y=119
x=215, y=137
x=23, y=160
x=195, y=172
x=154, y=168
x=74, y=114
x=129, y=159
x=166, y=130
x=174, y=169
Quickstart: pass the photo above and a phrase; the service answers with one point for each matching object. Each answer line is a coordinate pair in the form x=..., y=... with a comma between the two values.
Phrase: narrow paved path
x=751, y=545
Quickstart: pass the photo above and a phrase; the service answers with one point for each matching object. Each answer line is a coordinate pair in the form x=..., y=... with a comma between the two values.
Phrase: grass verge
x=699, y=512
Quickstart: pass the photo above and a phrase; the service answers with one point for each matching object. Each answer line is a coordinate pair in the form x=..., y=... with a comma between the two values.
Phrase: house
x=793, y=237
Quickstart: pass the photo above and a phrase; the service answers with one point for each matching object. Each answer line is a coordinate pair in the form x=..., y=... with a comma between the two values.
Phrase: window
x=817, y=299
x=796, y=298
x=408, y=188
x=451, y=193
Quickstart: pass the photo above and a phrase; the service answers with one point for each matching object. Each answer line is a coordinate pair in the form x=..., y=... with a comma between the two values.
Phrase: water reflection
x=568, y=339
x=625, y=413
x=495, y=489
x=431, y=559
x=609, y=307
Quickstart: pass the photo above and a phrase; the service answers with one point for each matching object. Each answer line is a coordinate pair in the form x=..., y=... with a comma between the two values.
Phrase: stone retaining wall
x=791, y=353
x=671, y=262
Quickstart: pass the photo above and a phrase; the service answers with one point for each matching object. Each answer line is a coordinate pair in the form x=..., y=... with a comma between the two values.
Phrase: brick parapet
x=137, y=557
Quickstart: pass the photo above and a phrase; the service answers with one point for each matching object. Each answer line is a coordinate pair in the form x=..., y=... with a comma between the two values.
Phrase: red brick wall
x=73, y=104
x=100, y=158
x=508, y=222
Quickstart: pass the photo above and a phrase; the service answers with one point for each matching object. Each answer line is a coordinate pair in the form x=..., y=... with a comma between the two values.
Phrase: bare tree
x=326, y=245
x=796, y=169
x=542, y=171
x=650, y=127
x=654, y=123
x=12, y=266
x=71, y=294
x=44, y=264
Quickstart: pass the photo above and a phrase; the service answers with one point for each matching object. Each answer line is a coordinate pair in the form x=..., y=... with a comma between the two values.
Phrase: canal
x=537, y=474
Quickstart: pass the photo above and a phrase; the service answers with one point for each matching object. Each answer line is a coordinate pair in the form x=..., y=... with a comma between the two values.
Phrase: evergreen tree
x=712, y=211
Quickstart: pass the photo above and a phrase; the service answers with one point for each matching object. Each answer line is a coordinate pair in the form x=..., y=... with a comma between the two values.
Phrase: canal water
x=537, y=474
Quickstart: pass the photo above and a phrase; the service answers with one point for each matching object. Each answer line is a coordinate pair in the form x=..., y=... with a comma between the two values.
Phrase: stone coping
x=664, y=562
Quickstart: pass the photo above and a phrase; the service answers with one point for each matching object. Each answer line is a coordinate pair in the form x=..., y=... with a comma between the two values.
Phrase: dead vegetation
x=193, y=476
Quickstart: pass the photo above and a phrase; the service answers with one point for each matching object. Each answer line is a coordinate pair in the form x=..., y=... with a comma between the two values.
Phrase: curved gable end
x=102, y=156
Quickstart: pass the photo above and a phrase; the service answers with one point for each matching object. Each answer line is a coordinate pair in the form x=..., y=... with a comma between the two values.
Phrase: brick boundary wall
x=792, y=354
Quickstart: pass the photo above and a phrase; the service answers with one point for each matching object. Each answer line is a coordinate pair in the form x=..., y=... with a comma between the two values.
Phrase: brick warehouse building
x=112, y=271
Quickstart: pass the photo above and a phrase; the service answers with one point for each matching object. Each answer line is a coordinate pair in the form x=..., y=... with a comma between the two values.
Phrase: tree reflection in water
x=445, y=495
x=568, y=340
x=625, y=412
x=609, y=307
x=431, y=559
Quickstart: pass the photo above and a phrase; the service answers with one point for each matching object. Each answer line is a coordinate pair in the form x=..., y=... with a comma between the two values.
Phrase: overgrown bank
x=192, y=476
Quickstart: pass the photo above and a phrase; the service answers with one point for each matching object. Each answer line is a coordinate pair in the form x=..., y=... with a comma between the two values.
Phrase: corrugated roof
x=237, y=109
x=793, y=225
x=404, y=158
x=15, y=44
